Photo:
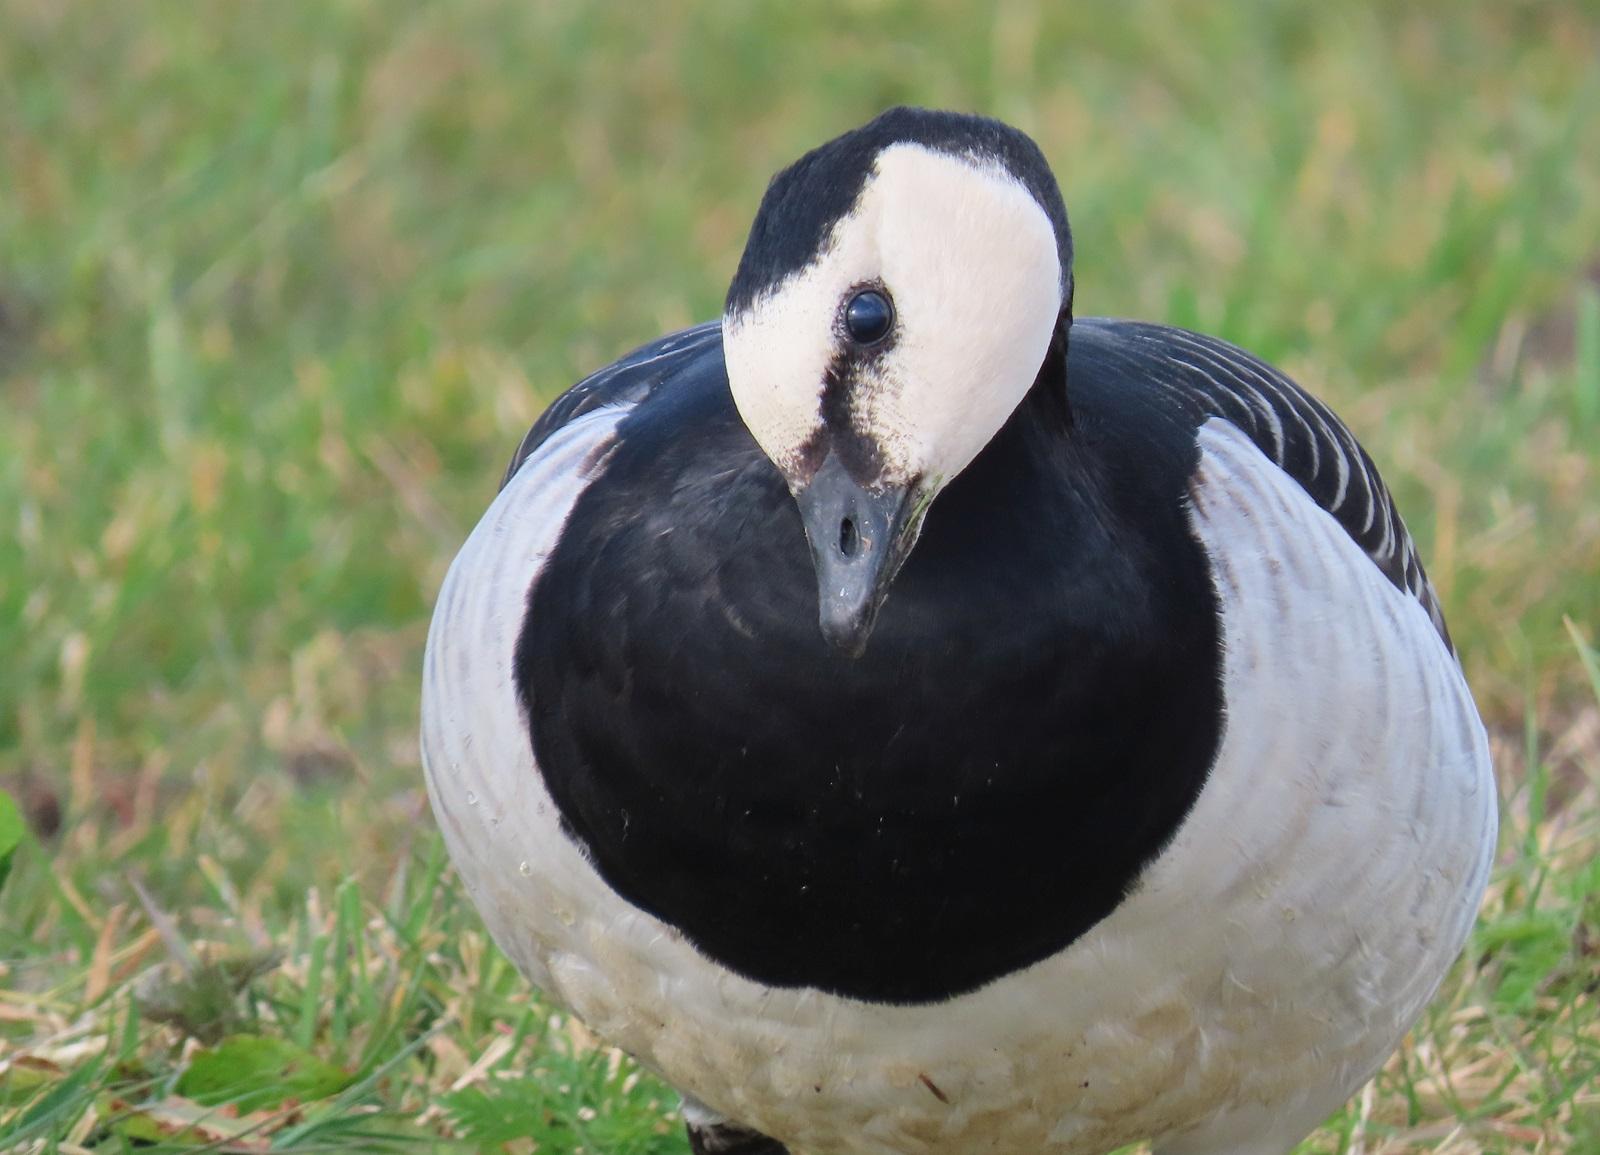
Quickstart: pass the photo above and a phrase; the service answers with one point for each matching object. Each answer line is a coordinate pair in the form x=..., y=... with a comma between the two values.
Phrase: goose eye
x=868, y=317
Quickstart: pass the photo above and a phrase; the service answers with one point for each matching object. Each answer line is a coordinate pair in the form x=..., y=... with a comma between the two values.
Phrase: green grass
x=281, y=286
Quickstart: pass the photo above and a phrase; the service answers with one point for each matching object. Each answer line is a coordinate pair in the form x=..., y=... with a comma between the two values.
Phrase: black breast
x=1032, y=720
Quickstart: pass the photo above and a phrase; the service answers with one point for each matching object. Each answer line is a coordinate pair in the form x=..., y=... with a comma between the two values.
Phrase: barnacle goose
x=912, y=720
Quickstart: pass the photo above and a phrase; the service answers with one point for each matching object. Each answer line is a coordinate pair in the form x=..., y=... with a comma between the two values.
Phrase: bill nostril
x=849, y=538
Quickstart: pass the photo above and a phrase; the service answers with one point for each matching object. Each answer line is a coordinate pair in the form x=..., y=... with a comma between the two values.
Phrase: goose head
x=899, y=291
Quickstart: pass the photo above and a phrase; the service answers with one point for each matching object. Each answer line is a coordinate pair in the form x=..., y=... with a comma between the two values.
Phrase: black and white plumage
x=1003, y=732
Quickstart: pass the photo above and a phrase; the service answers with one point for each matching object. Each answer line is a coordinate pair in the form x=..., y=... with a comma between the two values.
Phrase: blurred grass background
x=281, y=285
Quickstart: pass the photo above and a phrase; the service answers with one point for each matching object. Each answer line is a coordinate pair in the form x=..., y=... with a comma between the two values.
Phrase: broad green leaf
x=254, y=1074
x=12, y=828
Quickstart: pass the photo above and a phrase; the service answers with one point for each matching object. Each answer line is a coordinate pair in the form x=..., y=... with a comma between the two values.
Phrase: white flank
x=1268, y=962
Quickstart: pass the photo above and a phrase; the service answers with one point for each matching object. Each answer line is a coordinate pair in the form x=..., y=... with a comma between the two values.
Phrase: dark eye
x=868, y=317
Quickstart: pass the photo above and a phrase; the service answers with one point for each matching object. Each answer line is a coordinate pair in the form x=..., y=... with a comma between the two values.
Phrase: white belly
x=1267, y=963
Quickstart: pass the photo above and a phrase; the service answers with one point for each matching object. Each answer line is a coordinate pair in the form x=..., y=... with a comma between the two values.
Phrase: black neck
x=1046, y=400
x=1034, y=717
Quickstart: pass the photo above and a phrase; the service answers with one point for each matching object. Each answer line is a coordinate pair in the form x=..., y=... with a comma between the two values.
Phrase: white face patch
x=971, y=263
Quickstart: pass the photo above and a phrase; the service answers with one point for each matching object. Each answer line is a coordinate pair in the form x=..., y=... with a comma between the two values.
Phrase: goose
x=913, y=721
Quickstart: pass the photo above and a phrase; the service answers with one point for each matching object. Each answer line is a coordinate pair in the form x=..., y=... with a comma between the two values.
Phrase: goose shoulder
x=625, y=383
x=1192, y=378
